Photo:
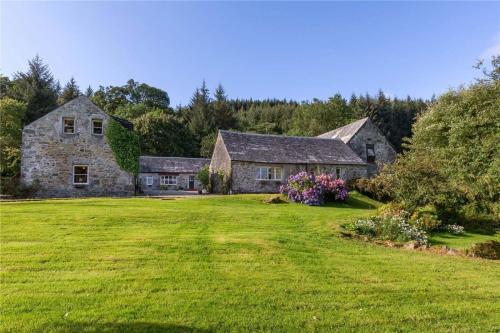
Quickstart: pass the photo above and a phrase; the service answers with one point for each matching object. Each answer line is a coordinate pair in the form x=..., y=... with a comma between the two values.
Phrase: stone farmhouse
x=65, y=154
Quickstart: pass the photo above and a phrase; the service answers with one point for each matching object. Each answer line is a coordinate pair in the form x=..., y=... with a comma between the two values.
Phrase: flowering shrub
x=395, y=228
x=454, y=229
x=314, y=190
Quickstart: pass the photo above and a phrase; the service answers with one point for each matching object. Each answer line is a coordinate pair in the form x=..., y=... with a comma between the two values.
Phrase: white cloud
x=492, y=50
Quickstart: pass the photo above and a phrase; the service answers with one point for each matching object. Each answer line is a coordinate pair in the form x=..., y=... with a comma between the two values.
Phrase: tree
x=133, y=93
x=36, y=88
x=453, y=159
x=70, y=92
x=162, y=134
x=12, y=113
x=201, y=120
x=223, y=114
x=208, y=144
x=89, y=92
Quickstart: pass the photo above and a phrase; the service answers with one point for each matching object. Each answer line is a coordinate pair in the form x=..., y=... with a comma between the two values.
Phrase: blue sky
x=292, y=50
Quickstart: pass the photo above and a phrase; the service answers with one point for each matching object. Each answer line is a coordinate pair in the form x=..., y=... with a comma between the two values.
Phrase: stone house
x=252, y=163
x=158, y=174
x=65, y=154
x=366, y=140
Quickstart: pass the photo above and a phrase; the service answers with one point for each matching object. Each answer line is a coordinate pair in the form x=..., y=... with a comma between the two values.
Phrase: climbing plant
x=125, y=146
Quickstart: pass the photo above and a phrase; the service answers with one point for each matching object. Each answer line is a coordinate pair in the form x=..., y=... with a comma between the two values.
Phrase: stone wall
x=48, y=155
x=157, y=189
x=220, y=163
x=243, y=176
x=384, y=152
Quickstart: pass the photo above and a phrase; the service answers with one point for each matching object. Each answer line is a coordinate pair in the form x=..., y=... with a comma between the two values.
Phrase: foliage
x=11, y=114
x=453, y=159
x=112, y=97
x=125, y=146
x=203, y=177
x=37, y=88
x=12, y=186
x=161, y=134
x=208, y=145
x=394, y=228
x=201, y=114
x=314, y=190
x=426, y=217
x=69, y=92
x=377, y=188
x=488, y=250
x=223, y=182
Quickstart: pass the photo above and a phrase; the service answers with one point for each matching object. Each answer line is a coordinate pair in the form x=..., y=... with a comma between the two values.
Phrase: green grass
x=227, y=263
x=466, y=240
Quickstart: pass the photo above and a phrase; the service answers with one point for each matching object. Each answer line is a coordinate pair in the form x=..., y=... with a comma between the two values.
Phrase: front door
x=191, y=182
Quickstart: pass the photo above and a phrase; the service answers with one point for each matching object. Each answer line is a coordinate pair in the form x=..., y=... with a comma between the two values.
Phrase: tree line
x=190, y=130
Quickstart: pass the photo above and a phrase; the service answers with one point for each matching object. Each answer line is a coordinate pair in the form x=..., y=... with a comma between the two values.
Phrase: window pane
x=97, y=126
x=278, y=173
x=68, y=125
x=81, y=169
x=80, y=174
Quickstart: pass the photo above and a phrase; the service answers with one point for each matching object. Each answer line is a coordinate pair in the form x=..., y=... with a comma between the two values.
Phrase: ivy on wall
x=125, y=146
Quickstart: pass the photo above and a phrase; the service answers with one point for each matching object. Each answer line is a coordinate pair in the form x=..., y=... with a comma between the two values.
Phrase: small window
x=370, y=153
x=97, y=126
x=68, y=125
x=168, y=180
x=338, y=173
x=269, y=173
x=80, y=174
x=149, y=180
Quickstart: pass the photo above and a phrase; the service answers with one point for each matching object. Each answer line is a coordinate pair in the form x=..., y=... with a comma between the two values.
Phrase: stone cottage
x=169, y=173
x=251, y=163
x=366, y=140
x=65, y=154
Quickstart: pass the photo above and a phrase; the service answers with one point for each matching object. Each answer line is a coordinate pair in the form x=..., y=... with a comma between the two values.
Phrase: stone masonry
x=49, y=154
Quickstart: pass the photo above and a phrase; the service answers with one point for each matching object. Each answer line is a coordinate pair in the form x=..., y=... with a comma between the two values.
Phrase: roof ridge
x=279, y=135
x=176, y=157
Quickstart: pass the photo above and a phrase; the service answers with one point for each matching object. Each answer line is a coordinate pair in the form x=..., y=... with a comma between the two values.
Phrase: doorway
x=191, y=182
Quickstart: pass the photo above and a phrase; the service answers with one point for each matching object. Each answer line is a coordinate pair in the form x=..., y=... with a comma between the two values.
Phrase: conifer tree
x=201, y=115
x=70, y=91
x=89, y=92
x=223, y=115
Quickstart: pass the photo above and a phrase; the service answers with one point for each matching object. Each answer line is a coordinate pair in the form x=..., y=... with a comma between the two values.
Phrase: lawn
x=227, y=263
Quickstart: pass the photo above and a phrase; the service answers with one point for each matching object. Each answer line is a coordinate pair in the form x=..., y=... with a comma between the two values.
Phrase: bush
x=488, y=250
x=314, y=190
x=454, y=229
x=376, y=188
x=204, y=177
x=395, y=228
x=13, y=187
x=426, y=218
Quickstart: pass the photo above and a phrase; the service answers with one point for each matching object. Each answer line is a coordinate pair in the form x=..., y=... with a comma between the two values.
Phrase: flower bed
x=314, y=190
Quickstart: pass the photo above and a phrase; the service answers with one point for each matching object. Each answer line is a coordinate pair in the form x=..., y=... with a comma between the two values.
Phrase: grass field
x=227, y=263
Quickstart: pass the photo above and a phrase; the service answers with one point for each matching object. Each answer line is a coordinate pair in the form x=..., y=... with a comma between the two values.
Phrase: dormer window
x=97, y=126
x=370, y=153
x=69, y=125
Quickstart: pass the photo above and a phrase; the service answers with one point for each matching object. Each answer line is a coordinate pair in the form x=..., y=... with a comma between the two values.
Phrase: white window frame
x=74, y=174
x=149, y=180
x=167, y=180
x=271, y=173
x=64, y=125
x=102, y=126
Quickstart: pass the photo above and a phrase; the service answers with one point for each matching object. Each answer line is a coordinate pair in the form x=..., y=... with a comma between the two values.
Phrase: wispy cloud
x=492, y=50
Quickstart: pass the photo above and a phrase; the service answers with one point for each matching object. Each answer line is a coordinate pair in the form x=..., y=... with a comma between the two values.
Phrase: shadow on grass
x=73, y=327
x=352, y=202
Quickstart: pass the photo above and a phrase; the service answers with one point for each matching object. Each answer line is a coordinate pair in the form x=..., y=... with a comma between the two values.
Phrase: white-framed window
x=97, y=127
x=149, y=180
x=168, y=180
x=80, y=174
x=269, y=173
x=68, y=125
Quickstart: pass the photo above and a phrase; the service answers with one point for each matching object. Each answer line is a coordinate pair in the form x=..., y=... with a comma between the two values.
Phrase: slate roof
x=345, y=133
x=157, y=164
x=287, y=149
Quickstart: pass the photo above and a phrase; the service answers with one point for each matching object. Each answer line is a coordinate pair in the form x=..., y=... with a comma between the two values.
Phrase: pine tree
x=201, y=120
x=70, y=91
x=37, y=88
x=89, y=92
x=223, y=115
